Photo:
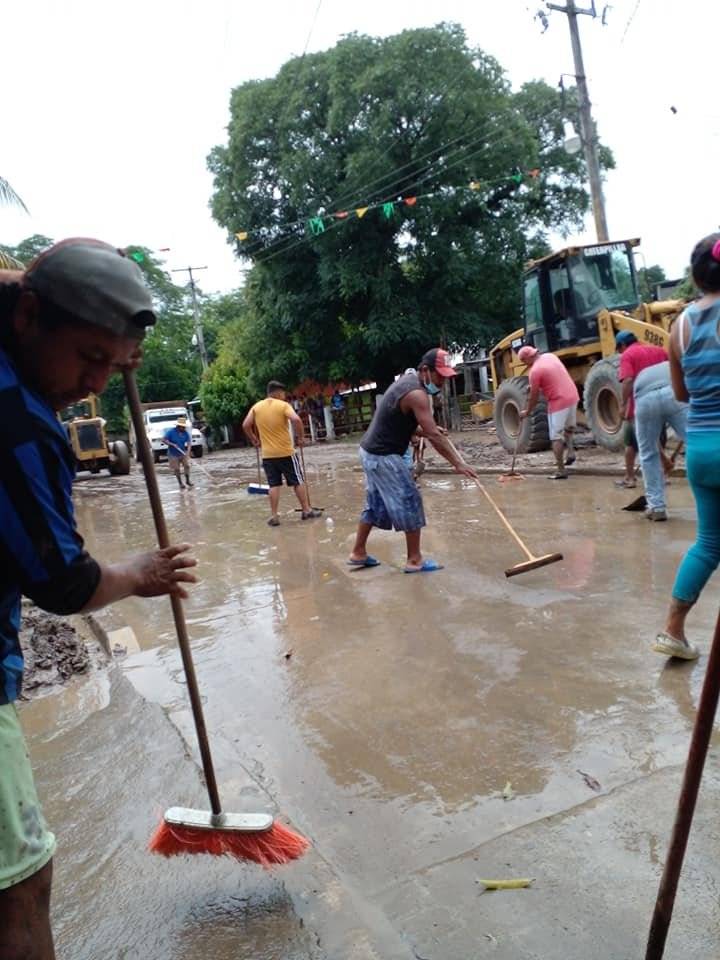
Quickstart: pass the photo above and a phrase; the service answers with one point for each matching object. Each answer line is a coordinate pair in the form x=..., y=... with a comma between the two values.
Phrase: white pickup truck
x=161, y=417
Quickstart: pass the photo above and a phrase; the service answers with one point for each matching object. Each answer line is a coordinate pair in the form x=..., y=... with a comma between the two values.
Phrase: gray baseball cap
x=94, y=282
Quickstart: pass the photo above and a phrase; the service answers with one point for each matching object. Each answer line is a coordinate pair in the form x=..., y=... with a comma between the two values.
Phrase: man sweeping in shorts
x=268, y=426
x=393, y=500
x=178, y=443
x=547, y=374
x=76, y=315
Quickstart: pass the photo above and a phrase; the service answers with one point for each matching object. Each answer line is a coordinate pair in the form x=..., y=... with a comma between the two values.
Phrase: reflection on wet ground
x=406, y=702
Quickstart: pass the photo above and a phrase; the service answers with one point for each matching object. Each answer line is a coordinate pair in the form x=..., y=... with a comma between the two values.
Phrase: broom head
x=533, y=564
x=258, y=488
x=250, y=836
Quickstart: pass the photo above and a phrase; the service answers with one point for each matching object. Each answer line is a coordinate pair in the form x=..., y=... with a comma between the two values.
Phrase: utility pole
x=588, y=133
x=196, y=314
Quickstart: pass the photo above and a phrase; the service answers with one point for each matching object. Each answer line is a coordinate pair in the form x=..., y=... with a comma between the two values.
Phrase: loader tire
x=120, y=465
x=602, y=399
x=530, y=434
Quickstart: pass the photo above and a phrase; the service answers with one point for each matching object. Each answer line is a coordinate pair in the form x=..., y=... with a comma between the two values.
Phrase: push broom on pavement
x=245, y=836
x=258, y=487
x=533, y=561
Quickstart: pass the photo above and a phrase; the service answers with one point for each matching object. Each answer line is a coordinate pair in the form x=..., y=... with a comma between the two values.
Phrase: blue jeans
x=652, y=411
x=701, y=560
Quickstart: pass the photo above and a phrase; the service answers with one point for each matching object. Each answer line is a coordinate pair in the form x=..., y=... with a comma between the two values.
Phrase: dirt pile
x=53, y=649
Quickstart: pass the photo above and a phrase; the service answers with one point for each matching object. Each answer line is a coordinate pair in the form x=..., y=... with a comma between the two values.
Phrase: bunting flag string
x=316, y=225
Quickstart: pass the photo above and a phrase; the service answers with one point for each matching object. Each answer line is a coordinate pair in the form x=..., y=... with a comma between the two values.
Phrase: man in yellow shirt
x=268, y=426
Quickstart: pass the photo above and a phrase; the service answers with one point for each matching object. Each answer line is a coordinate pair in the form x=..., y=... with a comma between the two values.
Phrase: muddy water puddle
x=383, y=713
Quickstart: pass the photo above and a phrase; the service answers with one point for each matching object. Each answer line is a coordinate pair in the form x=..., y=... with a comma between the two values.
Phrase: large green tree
x=373, y=120
x=226, y=391
x=171, y=367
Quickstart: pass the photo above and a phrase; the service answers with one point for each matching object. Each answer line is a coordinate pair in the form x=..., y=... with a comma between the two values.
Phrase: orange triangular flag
x=410, y=201
x=361, y=211
x=341, y=214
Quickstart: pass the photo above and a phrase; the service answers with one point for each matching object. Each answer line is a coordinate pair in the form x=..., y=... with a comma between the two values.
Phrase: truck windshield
x=165, y=417
x=77, y=411
x=604, y=276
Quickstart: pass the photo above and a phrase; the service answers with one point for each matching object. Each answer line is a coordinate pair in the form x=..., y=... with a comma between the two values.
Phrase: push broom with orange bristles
x=245, y=836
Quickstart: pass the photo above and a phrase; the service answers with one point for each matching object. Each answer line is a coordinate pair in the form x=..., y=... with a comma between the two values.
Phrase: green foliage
x=366, y=297
x=26, y=251
x=647, y=278
x=225, y=391
x=687, y=289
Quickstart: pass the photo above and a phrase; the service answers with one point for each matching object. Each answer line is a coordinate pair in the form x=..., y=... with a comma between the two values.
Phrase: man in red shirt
x=634, y=357
x=548, y=374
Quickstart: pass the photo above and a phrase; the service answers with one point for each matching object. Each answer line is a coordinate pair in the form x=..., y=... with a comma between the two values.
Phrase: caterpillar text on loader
x=86, y=433
x=574, y=303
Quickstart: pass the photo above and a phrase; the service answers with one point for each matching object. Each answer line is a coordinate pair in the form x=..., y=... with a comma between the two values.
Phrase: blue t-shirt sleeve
x=40, y=548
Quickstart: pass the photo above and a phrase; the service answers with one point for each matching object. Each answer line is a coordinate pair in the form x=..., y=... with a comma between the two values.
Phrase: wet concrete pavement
x=406, y=705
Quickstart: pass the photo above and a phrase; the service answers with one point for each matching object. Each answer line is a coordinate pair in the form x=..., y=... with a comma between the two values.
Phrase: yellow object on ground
x=506, y=884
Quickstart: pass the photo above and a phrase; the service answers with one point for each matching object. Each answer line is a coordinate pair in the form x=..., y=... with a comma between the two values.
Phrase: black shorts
x=278, y=467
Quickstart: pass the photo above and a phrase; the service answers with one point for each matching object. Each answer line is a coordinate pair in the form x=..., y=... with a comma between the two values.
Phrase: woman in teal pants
x=695, y=373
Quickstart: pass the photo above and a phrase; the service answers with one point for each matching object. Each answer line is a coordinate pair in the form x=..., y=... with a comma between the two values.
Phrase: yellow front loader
x=87, y=437
x=574, y=303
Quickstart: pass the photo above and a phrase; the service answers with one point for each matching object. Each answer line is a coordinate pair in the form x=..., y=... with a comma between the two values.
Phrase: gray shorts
x=393, y=500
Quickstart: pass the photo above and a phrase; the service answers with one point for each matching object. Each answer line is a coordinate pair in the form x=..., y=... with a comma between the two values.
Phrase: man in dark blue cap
x=76, y=315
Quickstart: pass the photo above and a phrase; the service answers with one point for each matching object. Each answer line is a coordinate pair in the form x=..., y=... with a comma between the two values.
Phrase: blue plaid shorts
x=393, y=500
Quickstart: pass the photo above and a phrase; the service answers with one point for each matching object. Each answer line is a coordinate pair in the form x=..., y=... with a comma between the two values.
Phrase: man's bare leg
x=569, y=446
x=558, y=447
x=359, y=550
x=25, y=932
x=302, y=495
x=274, y=500
x=414, y=556
x=630, y=458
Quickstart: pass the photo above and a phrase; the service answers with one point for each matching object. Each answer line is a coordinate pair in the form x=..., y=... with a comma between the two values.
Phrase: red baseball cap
x=439, y=361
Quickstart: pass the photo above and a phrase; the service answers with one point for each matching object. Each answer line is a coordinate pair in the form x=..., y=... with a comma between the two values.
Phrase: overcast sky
x=111, y=108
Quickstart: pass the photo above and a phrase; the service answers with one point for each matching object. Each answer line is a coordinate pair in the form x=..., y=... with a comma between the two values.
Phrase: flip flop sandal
x=558, y=476
x=367, y=562
x=570, y=460
x=428, y=566
x=670, y=647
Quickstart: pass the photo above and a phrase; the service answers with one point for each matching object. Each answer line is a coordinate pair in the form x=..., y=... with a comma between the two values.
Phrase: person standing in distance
x=393, y=500
x=268, y=426
x=549, y=376
x=76, y=315
x=634, y=358
x=178, y=444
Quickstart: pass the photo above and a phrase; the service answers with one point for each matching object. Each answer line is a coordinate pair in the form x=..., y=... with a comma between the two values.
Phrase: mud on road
x=55, y=649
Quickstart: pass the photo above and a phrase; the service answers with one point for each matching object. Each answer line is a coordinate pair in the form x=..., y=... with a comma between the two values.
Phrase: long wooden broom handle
x=146, y=458
x=304, y=471
x=257, y=461
x=497, y=509
x=702, y=732
x=505, y=520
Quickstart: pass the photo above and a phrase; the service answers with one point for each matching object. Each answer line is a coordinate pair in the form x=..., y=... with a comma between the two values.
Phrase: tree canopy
x=421, y=114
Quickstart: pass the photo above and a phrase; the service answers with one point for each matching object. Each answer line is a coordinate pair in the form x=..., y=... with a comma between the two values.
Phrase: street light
x=572, y=143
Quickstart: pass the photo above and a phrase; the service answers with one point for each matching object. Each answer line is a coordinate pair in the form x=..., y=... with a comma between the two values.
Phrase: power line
x=630, y=20
x=312, y=27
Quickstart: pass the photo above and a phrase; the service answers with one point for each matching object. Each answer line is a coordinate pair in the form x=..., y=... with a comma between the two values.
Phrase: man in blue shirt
x=76, y=315
x=178, y=444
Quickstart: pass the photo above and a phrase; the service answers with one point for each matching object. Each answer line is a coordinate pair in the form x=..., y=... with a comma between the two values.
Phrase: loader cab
x=564, y=293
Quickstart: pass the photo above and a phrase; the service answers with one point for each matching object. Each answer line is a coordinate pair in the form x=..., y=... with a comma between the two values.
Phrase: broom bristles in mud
x=269, y=848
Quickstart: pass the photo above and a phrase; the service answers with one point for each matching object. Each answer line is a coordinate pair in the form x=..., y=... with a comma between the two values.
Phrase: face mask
x=431, y=388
